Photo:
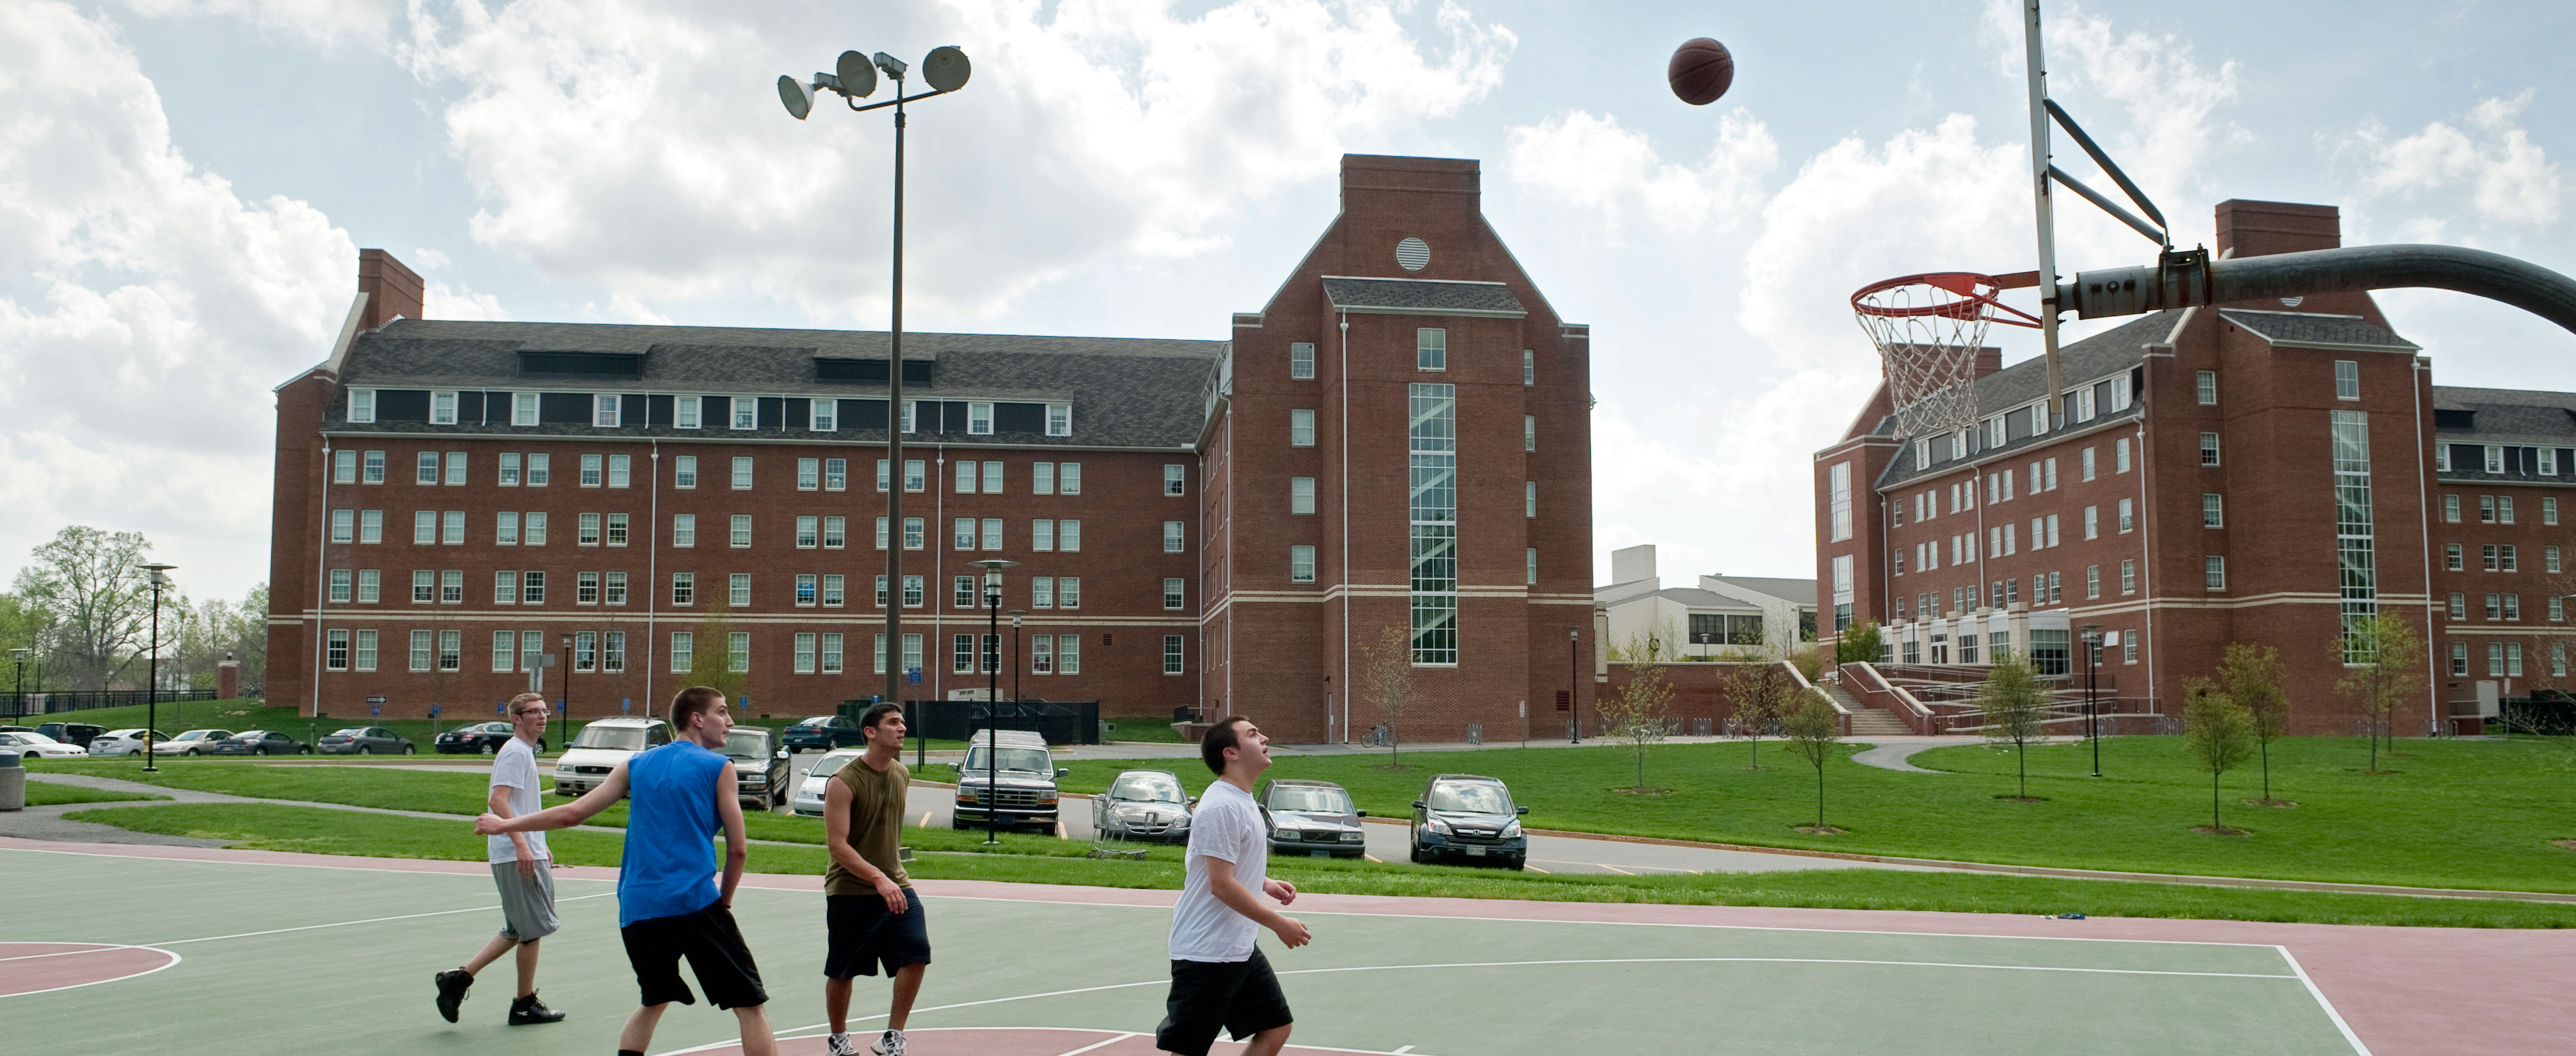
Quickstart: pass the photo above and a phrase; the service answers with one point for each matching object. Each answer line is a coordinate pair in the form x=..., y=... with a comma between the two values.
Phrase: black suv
x=78, y=733
x=1468, y=819
x=822, y=733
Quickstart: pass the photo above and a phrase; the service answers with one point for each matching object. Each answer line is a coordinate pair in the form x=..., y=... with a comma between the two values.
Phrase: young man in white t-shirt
x=1220, y=980
x=519, y=866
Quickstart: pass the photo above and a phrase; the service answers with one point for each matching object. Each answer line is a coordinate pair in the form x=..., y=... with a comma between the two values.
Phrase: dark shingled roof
x=2102, y=355
x=1422, y=297
x=1126, y=392
x=2310, y=328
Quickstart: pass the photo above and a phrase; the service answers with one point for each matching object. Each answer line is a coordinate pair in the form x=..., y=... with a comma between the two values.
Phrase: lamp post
x=1016, y=616
x=2092, y=672
x=567, y=679
x=1574, y=678
x=945, y=70
x=992, y=644
x=152, y=680
x=18, y=707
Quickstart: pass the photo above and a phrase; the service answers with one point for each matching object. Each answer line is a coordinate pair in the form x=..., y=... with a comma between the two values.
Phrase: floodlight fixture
x=945, y=69
x=858, y=78
x=892, y=66
x=798, y=96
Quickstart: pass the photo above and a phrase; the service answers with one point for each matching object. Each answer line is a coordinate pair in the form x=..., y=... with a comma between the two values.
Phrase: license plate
x=1319, y=854
x=1475, y=851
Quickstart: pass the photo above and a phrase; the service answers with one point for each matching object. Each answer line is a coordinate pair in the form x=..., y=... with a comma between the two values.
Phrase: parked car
x=483, y=737
x=1463, y=817
x=809, y=792
x=1312, y=818
x=38, y=746
x=759, y=766
x=259, y=742
x=193, y=742
x=1143, y=805
x=76, y=734
x=823, y=733
x=1024, y=795
x=364, y=740
x=600, y=746
x=127, y=742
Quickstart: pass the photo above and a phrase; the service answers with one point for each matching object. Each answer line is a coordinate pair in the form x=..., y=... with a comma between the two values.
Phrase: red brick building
x=1399, y=437
x=2248, y=472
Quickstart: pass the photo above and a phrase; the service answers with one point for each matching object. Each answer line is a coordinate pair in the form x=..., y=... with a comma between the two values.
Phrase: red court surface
x=36, y=967
x=1011, y=1041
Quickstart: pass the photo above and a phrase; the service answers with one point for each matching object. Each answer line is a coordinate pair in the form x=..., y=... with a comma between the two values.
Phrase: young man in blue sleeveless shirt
x=669, y=904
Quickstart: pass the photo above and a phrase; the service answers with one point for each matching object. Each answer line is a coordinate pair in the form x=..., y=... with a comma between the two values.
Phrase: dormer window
x=523, y=408
x=746, y=412
x=826, y=415
x=1059, y=419
x=979, y=419
x=442, y=408
x=684, y=412
x=362, y=405
x=603, y=411
x=909, y=406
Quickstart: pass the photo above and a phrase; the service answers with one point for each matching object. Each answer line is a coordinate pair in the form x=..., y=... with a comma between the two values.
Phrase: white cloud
x=620, y=141
x=1591, y=163
x=2509, y=178
x=325, y=22
x=145, y=309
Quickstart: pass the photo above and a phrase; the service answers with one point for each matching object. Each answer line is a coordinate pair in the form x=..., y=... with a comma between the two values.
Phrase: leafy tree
x=711, y=657
x=1860, y=643
x=2219, y=733
x=2252, y=676
x=1759, y=691
x=96, y=601
x=2016, y=705
x=1387, y=668
x=2383, y=661
x=1636, y=713
x=1812, y=731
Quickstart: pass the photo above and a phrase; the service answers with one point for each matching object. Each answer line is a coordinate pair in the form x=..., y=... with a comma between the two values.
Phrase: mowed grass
x=250, y=714
x=2455, y=814
x=48, y=793
x=943, y=854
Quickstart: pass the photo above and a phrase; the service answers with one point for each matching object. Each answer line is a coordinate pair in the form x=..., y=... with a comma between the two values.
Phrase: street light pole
x=1574, y=677
x=2092, y=675
x=986, y=654
x=152, y=680
x=18, y=707
x=567, y=679
x=1016, y=615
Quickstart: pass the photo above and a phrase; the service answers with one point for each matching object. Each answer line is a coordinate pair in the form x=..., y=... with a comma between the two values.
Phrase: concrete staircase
x=1868, y=722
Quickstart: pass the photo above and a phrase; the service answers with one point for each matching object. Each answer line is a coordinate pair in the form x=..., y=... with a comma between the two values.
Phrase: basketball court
x=239, y=953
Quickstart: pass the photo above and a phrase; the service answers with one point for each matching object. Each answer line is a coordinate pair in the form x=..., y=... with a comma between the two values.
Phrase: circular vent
x=1413, y=253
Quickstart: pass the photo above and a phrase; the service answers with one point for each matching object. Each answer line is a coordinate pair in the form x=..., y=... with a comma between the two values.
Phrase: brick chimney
x=228, y=678
x=393, y=290
x=2256, y=229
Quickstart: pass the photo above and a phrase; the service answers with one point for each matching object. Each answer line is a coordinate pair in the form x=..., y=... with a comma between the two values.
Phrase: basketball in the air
x=1700, y=71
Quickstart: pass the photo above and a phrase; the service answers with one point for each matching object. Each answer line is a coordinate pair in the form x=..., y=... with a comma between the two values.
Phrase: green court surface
x=277, y=958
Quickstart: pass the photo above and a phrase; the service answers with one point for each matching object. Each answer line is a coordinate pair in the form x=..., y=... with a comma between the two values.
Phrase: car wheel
x=259, y=751
x=1417, y=854
x=956, y=822
x=488, y=749
x=541, y=744
x=410, y=750
x=364, y=750
x=1518, y=862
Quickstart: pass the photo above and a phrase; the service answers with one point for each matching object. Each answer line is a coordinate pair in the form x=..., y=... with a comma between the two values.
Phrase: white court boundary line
x=94, y=947
x=2320, y=996
x=1116, y=1036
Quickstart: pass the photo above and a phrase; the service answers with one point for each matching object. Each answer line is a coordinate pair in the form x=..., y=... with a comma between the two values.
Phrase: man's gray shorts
x=527, y=902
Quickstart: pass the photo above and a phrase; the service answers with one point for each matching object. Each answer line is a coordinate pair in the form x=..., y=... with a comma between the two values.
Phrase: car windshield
x=1471, y=798
x=1310, y=799
x=831, y=763
x=195, y=735
x=353, y=731
x=251, y=735
x=1147, y=788
x=1024, y=760
x=747, y=744
x=613, y=738
x=818, y=720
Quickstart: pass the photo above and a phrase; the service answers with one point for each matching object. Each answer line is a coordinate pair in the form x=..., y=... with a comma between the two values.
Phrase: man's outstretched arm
x=563, y=817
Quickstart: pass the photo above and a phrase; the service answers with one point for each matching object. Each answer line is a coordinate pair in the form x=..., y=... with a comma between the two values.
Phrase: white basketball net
x=1928, y=338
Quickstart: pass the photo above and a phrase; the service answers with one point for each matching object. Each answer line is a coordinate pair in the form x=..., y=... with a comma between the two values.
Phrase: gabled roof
x=1422, y=297
x=2315, y=330
x=1799, y=591
x=2506, y=416
x=2111, y=352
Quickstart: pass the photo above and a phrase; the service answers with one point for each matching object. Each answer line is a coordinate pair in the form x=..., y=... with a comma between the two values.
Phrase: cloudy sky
x=184, y=185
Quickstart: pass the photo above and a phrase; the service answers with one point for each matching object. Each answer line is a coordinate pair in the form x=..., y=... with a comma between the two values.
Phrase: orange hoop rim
x=1976, y=293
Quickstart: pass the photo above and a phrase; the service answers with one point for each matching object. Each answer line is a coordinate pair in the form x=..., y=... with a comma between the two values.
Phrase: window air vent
x=1413, y=254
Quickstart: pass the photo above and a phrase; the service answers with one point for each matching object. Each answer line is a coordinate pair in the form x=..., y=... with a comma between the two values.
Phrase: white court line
x=799, y=1033
x=287, y=865
x=1101, y=1044
x=307, y=927
x=2320, y=995
x=173, y=959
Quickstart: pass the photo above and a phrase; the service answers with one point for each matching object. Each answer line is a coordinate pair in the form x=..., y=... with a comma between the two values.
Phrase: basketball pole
x=2047, y=220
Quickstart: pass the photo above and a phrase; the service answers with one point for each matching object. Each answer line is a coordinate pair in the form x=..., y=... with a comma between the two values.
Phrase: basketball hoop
x=1928, y=329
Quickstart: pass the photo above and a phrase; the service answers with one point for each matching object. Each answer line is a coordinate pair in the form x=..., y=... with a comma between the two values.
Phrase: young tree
x=1759, y=691
x=2219, y=733
x=1812, y=730
x=1387, y=667
x=2252, y=676
x=1860, y=643
x=2383, y=661
x=85, y=582
x=1636, y=713
x=2015, y=705
x=711, y=657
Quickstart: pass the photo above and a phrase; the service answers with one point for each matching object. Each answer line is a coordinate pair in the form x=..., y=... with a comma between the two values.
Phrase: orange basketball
x=1701, y=71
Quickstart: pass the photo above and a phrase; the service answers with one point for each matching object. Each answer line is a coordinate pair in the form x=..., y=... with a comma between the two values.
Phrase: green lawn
x=247, y=714
x=1152, y=729
x=50, y=793
x=2466, y=814
x=943, y=854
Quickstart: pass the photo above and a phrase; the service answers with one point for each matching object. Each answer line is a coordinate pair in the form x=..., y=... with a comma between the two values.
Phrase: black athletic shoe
x=528, y=1010
x=452, y=985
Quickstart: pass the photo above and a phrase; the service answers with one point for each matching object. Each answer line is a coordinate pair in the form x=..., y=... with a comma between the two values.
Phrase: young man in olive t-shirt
x=868, y=905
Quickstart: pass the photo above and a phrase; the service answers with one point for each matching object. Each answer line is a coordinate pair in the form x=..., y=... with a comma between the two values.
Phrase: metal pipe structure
x=2187, y=278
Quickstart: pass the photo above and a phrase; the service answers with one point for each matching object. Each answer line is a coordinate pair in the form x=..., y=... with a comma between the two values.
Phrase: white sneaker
x=839, y=1045
x=888, y=1044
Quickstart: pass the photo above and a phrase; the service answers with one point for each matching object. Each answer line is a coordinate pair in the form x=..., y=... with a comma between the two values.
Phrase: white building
x=1714, y=615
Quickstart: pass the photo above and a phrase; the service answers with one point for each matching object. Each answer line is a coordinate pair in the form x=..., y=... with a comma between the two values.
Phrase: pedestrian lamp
x=854, y=78
x=152, y=680
x=2092, y=674
x=1016, y=616
x=567, y=679
x=18, y=707
x=1574, y=672
x=992, y=646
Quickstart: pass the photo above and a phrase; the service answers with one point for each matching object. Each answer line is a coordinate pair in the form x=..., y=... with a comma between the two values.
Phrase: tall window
x=362, y=405
x=1174, y=594
x=1301, y=494
x=1301, y=360
x=825, y=416
x=1529, y=366
x=2208, y=449
x=1172, y=654
x=2205, y=383
x=1839, y=478
x=1432, y=442
x=1173, y=541
x=1529, y=498
x=1529, y=432
x=2347, y=379
x=2213, y=511
x=979, y=418
x=684, y=413
x=1175, y=479
x=1842, y=592
x=1431, y=348
x=1301, y=564
x=1059, y=422
x=742, y=473
x=2355, y=568
x=1301, y=428
x=603, y=411
x=738, y=651
x=2213, y=572
x=746, y=412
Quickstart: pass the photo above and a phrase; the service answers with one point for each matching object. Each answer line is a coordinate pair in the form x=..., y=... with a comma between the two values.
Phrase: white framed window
x=684, y=588
x=992, y=478
x=1068, y=535
x=2495, y=458
x=604, y=410
x=2347, y=379
x=362, y=406
x=824, y=414
x=2087, y=463
x=505, y=528
x=2208, y=448
x=2213, y=510
x=738, y=651
x=451, y=531
x=992, y=533
x=2129, y=576
x=2548, y=510
x=343, y=523
x=1172, y=654
x=809, y=532
x=979, y=418
x=425, y=468
x=2084, y=409
x=1042, y=535
x=965, y=476
x=2213, y=572
x=342, y=585
x=1068, y=593
x=1301, y=563
x=372, y=468
x=1529, y=366
x=509, y=471
x=836, y=474
x=684, y=471
x=621, y=470
x=1068, y=478
x=684, y=530
x=2548, y=461
x=834, y=590
x=2128, y=517
x=1529, y=432
x=2092, y=581
x=594, y=471
x=587, y=531
x=746, y=412
x=1301, y=495
x=809, y=474
x=911, y=409
x=1301, y=361
x=916, y=475
x=1839, y=485
x=1529, y=500
x=2092, y=522
x=1530, y=558
x=741, y=531
x=809, y=588
x=2120, y=455
x=1175, y=593
x=2120, y=397
x=1301, y=428
x=685, y=411
x=1431, y=348
x=915, y=533
x=1042, y=478
x=836, y=532
x=370, y=586
x=420, y=650
x=2205, y=384
x=344, y=467
x=523, y=408
x=585, y=588
x=1059, y=420
x=965, y=533
x=1172, y=537
x=742, y=472
x=1041, y=654
x=738, y=589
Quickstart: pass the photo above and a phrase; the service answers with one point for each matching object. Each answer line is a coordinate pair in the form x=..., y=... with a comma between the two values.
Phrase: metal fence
x=18, y=705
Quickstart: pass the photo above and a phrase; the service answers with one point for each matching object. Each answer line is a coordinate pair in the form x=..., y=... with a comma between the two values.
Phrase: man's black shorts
x=714, y=947
x=1240, y=996
x=863, y=935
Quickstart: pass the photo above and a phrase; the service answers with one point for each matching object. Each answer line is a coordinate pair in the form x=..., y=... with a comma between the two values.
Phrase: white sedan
x=808, y=801
x=126, y=742
x=193, y=742
x=38, y=746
